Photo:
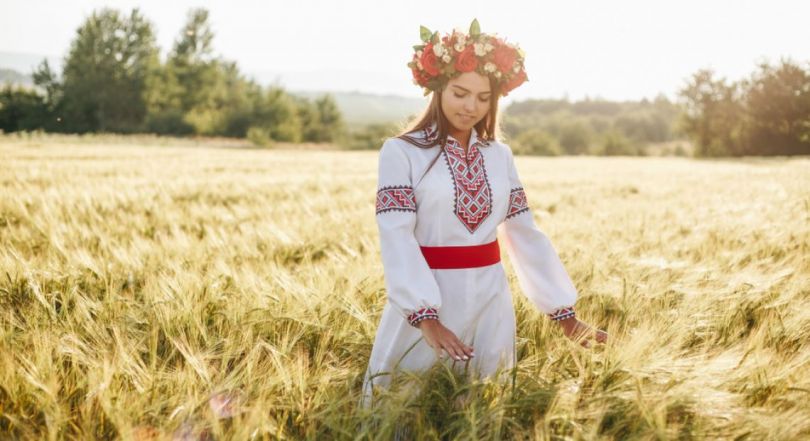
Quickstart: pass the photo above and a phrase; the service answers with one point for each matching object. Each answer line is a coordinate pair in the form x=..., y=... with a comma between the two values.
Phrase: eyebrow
x=467, y=90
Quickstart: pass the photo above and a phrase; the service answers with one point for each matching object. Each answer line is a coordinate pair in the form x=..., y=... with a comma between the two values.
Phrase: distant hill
x=360, y=108
x=11, y=76
x=25, y=63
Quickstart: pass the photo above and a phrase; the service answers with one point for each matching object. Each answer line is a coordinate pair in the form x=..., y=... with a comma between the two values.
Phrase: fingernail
x=466, y=357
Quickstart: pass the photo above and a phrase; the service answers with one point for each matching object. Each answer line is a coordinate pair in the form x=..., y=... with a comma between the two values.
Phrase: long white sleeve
x=409, y=282
x=541, y=274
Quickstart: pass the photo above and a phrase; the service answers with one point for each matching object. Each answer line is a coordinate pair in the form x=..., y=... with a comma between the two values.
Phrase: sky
x=617, y=50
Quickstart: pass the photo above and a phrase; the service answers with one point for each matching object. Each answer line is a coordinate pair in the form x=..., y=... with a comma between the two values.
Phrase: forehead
x=472, y=81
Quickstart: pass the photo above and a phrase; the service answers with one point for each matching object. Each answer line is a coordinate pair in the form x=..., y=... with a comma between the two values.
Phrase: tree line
x=590, y=126
x=767, y=113
x=113, y=80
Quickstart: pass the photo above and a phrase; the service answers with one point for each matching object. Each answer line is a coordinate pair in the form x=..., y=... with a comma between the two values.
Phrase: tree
x=192, y=63
x=615, y=143
x=277, y=112
x=713, y=114
x=536, y=142
x=21, y=109
x=778, y=109
x=330, y=118
x=106, y=73
x=574, y=137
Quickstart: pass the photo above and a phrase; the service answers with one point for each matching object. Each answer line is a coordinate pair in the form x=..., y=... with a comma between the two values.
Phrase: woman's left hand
x=582, y=332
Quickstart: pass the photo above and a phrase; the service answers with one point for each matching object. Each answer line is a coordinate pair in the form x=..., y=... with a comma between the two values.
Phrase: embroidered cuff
x=426, y=313
x=562, y=314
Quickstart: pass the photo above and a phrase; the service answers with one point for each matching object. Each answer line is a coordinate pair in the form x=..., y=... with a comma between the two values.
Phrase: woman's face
x=465, y=100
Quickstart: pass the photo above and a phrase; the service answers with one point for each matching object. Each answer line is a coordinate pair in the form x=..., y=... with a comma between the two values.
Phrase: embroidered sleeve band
x=426, y=313
x=563, y=313
x=517, y=202
x=395, y=198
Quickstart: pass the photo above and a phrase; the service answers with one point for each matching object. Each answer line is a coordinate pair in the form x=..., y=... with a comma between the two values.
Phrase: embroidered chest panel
x=473, y=196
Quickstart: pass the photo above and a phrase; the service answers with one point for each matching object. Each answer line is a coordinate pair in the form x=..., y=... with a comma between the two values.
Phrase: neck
x=462, y=136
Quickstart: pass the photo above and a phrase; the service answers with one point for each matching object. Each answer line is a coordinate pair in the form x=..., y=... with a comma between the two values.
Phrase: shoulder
x=406, y=147
x=394, y=153
x=393, y=146
x=499, y=147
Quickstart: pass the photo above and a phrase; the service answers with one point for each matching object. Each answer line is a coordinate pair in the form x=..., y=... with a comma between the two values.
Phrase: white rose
x=489, y=67
x=498, y=74
x=479, y=49
x=446, y=58
x=438, y=50
x=487, y=48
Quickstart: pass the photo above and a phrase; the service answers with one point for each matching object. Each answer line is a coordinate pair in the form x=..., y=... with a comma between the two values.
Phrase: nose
x=469, y=104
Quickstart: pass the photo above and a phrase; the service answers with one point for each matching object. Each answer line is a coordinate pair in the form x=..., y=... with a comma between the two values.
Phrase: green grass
x=138, y=282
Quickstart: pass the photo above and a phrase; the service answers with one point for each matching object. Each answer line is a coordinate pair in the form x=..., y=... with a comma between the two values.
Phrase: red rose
x=466, y=61
x=504, y=58
x=420, y=77
x=429, y=61
x=516, y=81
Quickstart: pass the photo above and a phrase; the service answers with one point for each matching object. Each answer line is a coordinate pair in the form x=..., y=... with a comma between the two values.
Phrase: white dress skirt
x=460, y=201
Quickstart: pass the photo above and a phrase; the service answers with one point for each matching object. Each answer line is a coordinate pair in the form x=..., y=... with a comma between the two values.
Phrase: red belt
x=463, y=256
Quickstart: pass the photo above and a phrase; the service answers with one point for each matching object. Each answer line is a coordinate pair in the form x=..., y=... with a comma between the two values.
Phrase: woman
x=447, y=290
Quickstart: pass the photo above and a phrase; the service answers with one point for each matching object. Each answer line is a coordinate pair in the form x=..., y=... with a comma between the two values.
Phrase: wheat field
x=160, y=290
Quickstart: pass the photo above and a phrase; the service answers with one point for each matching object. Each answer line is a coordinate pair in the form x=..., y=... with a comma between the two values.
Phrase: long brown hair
x=487, y=129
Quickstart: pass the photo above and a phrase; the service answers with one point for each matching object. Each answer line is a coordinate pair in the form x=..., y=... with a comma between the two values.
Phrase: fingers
x=599, y=335
x=458, y=350
x=584, y=333
x=454, y=351
x=443, y=340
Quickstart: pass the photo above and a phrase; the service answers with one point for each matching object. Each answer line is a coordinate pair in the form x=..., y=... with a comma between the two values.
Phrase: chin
x=465, y=125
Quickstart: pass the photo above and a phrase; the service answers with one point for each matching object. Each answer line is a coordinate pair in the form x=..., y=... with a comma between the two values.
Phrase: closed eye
x=482, y=99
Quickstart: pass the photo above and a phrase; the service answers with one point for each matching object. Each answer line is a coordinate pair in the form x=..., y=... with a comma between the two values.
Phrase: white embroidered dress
x=460, y=201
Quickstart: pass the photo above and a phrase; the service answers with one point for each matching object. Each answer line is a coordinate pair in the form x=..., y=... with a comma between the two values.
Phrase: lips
x=466, y=117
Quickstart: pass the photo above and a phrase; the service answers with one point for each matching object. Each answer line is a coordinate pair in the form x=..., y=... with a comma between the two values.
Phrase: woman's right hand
x=441, y=339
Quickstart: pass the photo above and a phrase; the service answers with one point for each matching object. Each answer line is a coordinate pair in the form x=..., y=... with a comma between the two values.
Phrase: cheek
x=483, y=107
x=449, y=105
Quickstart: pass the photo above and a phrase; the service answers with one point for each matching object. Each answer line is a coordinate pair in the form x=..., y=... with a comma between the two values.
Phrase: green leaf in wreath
x=475, y=29
x=424, y=33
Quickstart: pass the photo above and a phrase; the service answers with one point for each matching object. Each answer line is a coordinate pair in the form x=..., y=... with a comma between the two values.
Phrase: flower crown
x=438, y=60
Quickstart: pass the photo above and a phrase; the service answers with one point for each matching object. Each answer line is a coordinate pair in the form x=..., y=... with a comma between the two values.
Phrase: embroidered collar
x=430, y=133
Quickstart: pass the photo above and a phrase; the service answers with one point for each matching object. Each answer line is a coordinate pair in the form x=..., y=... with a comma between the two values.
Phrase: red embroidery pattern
x=430, y=133
x=517, y=202
x=563, y=313
x=473, y=202
x=426, y=313
x=395, y=198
